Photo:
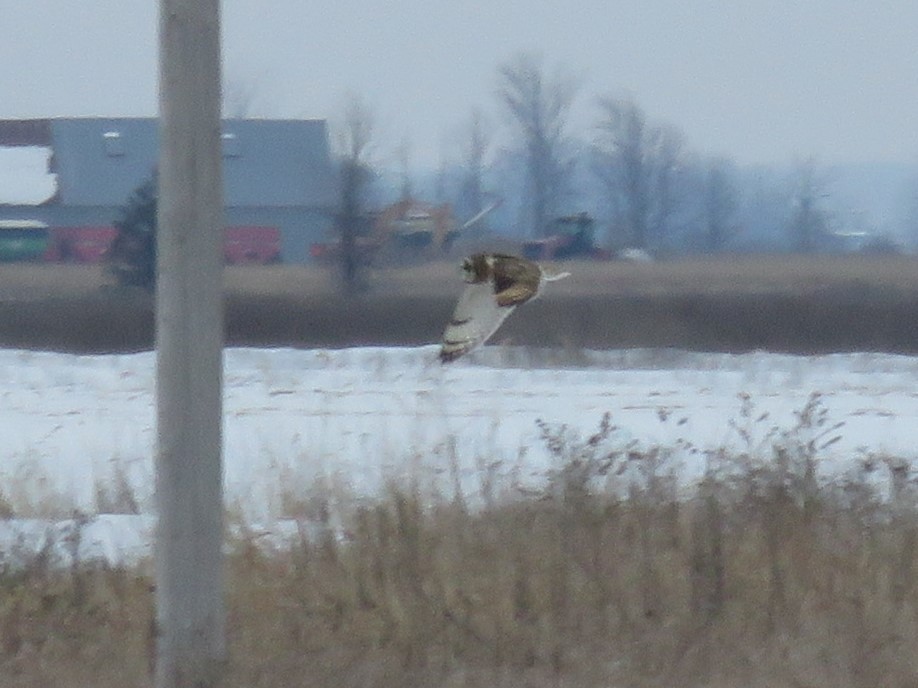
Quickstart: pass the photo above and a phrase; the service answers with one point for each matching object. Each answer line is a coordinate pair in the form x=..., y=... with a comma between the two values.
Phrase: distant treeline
x=639, y=178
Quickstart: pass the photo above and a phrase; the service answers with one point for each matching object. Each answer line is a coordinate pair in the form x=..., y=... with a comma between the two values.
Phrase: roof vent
x=230, y=145
x=114, y=145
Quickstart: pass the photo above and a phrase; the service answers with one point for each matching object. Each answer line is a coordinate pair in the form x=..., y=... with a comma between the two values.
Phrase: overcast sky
x=755, y=80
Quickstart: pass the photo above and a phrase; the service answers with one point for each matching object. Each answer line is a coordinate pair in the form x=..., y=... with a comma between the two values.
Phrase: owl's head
x=468, y=270
x=477, y=268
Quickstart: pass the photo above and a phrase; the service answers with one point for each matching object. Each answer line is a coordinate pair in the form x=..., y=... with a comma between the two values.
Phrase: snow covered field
x=79, y=430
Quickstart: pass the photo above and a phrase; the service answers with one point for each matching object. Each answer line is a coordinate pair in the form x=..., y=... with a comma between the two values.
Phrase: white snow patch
x=24, y=175
x=346, y=421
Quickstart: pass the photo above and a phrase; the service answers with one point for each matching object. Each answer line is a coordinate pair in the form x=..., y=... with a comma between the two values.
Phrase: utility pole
x=190, y=636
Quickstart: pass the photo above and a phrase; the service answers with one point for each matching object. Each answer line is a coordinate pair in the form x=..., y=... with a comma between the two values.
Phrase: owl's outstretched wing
x=476, y=317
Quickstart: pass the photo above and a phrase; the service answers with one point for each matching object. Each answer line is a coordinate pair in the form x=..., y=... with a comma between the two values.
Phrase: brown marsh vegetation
x=783, y=303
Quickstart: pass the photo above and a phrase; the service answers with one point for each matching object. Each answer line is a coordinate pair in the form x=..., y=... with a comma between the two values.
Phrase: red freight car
x=88, y=244
x=251, y=245
x=79, y=244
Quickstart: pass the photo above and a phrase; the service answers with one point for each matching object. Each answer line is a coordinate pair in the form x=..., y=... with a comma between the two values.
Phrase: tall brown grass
x=803, y=304
x=765, y=573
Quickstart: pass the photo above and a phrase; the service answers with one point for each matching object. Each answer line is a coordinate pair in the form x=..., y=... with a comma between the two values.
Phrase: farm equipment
x=572, y=237
x=404, y=232
x=410, y=230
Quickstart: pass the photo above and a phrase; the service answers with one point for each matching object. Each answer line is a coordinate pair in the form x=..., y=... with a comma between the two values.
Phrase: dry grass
x=82, y=628
x=762, y=575
x=762, y=274
x=782, y=303
x=785, y=274
x=32, y=281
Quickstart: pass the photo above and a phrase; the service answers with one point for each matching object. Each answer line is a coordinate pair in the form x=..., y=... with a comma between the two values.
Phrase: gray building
x=79, y=172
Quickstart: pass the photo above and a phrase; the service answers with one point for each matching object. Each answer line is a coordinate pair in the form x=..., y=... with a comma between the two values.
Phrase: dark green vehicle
x=23, y=240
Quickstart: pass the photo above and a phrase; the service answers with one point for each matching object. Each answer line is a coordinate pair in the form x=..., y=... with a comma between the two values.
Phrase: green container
x=25, y=240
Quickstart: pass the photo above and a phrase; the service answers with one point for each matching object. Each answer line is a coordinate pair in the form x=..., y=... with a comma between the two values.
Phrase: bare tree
x=238, y=97
x=474, y=152
x=442, y=179
x=404, y=163
x=666, y=152
x=809, y=222
x=719, y=203
x=355, y=172
x=911, y=212
x=538, y=106
x=638, y=163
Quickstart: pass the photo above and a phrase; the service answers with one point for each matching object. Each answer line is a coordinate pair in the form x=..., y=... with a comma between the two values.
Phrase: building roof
x=99, y=161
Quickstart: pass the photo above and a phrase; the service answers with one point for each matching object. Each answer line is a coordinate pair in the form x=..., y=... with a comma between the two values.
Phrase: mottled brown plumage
x=497, y=283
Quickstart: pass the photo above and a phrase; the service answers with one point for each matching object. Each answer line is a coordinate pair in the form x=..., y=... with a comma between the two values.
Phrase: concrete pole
x=190, y=636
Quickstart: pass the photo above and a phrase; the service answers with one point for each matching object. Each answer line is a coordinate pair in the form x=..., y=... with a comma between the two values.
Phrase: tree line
x=638, y=176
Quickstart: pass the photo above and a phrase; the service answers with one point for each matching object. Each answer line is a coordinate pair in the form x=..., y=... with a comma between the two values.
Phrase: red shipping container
x=79, y=244
x=251, y=245
x=242, y=245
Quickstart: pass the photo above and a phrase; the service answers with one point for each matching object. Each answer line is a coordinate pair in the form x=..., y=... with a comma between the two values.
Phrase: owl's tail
x=550, y=276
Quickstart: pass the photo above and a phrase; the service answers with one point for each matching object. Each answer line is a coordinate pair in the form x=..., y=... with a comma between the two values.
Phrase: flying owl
x=497, y=284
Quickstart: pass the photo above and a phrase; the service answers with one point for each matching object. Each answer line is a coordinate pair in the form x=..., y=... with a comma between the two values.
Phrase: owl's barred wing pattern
x=497, y=284
x=476, y=318
x=515, y=295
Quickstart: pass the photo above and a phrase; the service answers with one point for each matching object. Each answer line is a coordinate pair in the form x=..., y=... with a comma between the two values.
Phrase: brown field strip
x=783, y=303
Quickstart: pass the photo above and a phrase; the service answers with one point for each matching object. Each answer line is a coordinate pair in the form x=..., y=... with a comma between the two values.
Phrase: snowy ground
x=79, y=430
